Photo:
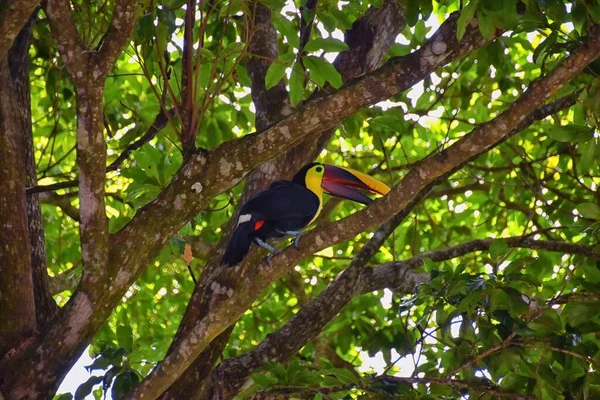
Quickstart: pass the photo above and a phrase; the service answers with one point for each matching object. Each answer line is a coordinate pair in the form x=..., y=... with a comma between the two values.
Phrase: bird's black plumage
x=285, y=206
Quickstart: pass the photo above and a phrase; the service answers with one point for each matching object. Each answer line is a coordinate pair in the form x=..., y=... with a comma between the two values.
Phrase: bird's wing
x=282, y=200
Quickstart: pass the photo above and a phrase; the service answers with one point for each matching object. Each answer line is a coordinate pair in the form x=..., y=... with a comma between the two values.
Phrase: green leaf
x=315, y=75
x=86, y=388
x=330, y=45
x=124, y=383
x=277, y=69
x=568, y=133
x=264, y=381
x=543, y=47
x=485, y=22
x=323, y=71
x=125, y=337
x=289, y=29
x=204, y=75
x=465, y=18
x=344, y=376
x=589, y=210
x=549, y=321
x=273, y=4
x=146, y=27
x=588, y=157
x=498, y=248
x=420, y=31
x=579, y=313
x=297, y=84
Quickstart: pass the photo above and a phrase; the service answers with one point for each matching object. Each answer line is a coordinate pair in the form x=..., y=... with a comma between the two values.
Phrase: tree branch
x=67, y=38
x=13, y=16
x=160, y=121
x=19, y=64
x=61, y=201
x=397, y=276
x=271, y=105
x=475, y=143
x=16, y=286
x=457, y=384
x=116, y=37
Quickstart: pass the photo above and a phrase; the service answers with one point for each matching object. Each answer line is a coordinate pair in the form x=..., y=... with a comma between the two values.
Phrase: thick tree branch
x=475, y=143
x=88, y=73
x=313, y=317
x=13, y=16
x=68, y=41
x=271, y=105
x=16, y=286
x=116, y=37
x=19, y=64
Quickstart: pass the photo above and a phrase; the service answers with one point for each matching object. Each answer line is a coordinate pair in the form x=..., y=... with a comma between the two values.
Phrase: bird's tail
x=239, y=244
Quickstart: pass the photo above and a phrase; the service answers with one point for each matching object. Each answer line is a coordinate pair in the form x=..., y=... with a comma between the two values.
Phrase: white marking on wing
x=244, y=218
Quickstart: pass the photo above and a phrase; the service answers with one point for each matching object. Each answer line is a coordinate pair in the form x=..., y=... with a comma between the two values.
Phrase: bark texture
x=18, y=59
x=16, y=286
x=13, y=16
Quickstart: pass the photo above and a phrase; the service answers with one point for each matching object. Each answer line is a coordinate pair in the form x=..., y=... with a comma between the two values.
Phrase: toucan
x=286, y=207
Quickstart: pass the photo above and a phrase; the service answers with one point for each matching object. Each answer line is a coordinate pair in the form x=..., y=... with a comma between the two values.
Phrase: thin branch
x=160, y=121
x=391, y=274
x=545, y=346
x=456, y=384
x=61, y=201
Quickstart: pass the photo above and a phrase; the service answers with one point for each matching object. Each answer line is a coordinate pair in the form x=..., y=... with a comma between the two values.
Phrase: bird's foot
x=296, y=239
x=296, y=234
x=268, y=258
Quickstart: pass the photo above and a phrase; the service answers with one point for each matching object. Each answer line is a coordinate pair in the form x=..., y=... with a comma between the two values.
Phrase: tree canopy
x=132, y=131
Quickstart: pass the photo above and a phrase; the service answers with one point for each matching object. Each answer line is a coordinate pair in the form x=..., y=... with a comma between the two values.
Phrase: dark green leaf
x=86, y=388
x=588, y=157
x=589, y=210
x=498, y=248
x=125, y=337
x=466, y=15
x=579, y=313
x=544, y=47
x=485, y=22
x=124, y=383
x=277, y=69
x=328, y=44
x=297, y=85
x=326, y=70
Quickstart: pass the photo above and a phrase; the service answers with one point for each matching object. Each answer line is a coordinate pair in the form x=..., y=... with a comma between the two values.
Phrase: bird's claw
x=296, y=239
x=268, y=258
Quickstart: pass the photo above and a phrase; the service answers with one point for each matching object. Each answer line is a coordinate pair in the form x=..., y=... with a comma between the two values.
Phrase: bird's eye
x=319, y=169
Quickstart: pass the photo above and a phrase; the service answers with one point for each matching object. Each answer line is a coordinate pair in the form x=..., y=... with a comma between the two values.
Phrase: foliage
x=533, y=309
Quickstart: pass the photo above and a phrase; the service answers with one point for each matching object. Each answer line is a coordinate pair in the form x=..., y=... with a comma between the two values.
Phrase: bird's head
x=339, y=181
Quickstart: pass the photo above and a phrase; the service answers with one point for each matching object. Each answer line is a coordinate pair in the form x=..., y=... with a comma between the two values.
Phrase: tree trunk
x=17, y=305
x=18, y=60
